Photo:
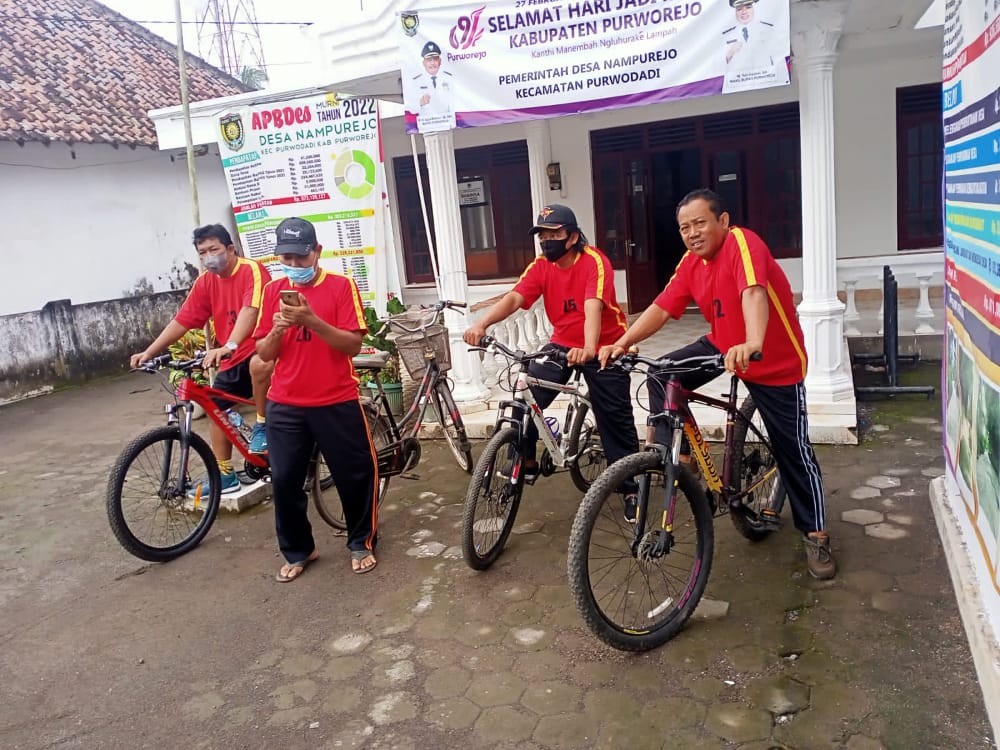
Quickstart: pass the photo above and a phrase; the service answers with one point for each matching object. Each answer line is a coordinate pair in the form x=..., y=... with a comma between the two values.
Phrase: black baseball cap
x=555, y=216
x=295, y=237
x=430, y=49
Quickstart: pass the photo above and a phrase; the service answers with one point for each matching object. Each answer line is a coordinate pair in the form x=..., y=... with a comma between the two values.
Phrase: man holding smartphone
x=312, y=322
x=228, y=293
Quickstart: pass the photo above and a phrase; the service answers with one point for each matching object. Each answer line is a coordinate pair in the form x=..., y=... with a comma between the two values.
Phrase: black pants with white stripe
x=783, y=410
x=342, y=434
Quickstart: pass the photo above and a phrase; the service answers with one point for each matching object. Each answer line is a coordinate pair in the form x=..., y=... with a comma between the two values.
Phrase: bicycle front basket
x=415, y=348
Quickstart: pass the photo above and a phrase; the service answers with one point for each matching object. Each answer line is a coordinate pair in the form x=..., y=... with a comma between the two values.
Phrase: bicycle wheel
x=323, y=491
x=637, y=601
x=147, y=499
x=585, y=443
x=756, y=472
x=493, y=499
x=452, y=426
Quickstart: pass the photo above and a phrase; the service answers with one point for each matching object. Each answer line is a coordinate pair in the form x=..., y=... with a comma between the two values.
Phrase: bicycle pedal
x=770, y=519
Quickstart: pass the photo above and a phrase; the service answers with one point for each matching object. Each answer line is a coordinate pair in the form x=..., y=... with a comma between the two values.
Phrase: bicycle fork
x=179, y=490
x=657, y=542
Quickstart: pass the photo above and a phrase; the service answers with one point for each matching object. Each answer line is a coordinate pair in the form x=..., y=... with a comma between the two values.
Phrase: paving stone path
x=99, y=650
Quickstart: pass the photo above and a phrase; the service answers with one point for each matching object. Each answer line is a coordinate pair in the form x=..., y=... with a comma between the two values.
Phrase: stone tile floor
x=102, y=651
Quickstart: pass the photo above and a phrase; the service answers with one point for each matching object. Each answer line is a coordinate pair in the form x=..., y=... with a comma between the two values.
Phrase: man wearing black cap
x=312, y=322
x=433, y=86
x=578, y=286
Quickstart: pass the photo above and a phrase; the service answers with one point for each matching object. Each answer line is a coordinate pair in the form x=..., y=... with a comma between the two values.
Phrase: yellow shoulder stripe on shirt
x=600, y=270
x=260, y=309
x=258, y=285
x=776, y=304
x=359, y=308
x=676, y=268
x=741, y=240
x=525, y=272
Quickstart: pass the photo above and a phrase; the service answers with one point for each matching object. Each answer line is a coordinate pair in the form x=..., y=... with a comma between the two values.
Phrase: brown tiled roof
x=76, y=71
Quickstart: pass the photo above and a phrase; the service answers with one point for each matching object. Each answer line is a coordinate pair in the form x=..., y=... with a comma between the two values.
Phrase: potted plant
x=185, y=348
x=389, y=376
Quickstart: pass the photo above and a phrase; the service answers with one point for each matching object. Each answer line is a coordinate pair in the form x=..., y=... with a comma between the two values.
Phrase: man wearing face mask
x=577, y=284
x=229, y=293
x=312, y=322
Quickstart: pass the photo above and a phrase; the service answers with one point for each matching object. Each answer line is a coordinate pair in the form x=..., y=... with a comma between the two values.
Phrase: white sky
x=287, y=49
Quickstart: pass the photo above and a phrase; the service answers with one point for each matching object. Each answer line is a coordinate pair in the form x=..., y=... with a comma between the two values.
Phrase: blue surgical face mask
x=298, y=275
x=214, y=263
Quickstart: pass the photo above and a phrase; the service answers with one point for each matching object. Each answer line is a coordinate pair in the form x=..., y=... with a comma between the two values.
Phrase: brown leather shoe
x=819, y=558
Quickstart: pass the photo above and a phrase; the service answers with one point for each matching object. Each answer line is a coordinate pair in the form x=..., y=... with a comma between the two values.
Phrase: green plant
x=378, y=339
x=185, y=348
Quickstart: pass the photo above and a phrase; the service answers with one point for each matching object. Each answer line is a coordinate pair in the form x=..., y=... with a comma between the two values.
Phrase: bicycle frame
x=188, y=392
x=418, y=409
x=677, y=402
x=524, y=402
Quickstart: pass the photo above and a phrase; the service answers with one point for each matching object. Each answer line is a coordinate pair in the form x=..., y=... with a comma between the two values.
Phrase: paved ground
x=98, y=650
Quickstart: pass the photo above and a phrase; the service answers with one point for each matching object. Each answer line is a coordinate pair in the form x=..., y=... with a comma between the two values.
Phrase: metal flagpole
x=427, y=223
x=186, y=110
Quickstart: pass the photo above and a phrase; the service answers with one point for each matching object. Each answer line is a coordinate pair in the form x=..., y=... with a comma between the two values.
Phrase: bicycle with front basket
x=499, y=478
x=422, y=343
x=636, y=585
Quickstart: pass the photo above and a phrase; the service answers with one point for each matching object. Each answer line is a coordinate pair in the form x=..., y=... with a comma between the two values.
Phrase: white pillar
x=450, y=245
x=537, y=134
x=821, y=313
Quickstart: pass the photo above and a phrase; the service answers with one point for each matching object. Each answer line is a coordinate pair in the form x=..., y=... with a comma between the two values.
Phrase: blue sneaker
x=230, y=484
x=258, y=440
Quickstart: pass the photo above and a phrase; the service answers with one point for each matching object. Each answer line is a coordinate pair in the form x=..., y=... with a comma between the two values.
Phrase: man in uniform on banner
x=432, y=93
x=755, y=50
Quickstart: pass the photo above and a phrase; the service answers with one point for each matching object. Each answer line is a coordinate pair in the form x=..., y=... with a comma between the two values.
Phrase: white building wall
x=865, y=120
x=92, y=223
x=865, y=126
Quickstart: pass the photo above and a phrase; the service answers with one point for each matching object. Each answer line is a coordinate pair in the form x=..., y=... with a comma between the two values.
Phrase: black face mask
x=554, y=249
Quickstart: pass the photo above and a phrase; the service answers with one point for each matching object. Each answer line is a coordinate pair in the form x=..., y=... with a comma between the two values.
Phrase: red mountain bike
x=165, y=489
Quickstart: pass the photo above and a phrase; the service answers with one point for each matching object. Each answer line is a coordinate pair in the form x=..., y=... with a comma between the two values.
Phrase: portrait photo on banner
x=756, y=44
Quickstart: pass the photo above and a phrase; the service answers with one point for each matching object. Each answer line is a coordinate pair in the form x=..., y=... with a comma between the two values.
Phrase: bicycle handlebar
x=165, y=360
x=630, y=362
x=437, y=308
x=554, y=355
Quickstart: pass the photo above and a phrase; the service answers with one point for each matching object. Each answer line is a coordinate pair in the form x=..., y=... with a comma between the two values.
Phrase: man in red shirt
x=578, y=286
x=730, y=274
x=228, y=293
x=313, y=330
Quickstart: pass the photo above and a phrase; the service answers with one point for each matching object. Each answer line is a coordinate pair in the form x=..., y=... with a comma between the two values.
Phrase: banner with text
x=319, y=158
x=971, y=101
x=512, y=60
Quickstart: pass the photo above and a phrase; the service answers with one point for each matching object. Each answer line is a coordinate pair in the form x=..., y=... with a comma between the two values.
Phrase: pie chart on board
x=354, y=174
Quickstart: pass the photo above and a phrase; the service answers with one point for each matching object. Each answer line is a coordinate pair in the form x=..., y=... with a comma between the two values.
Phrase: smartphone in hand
x=290, y=297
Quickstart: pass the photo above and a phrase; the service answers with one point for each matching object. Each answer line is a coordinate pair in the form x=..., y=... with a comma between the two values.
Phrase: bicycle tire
x=452, y=426
x=753, y=460
x=591, y=461
x=143, y=458
x=324, y=494
x=503, y=447
x=600, y=523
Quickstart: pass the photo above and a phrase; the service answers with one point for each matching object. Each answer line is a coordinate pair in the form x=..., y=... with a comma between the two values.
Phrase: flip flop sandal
x=302, y=569
x=362, y=554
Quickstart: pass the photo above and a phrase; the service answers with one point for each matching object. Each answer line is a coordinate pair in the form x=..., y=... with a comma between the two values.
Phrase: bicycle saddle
x=373, y=361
